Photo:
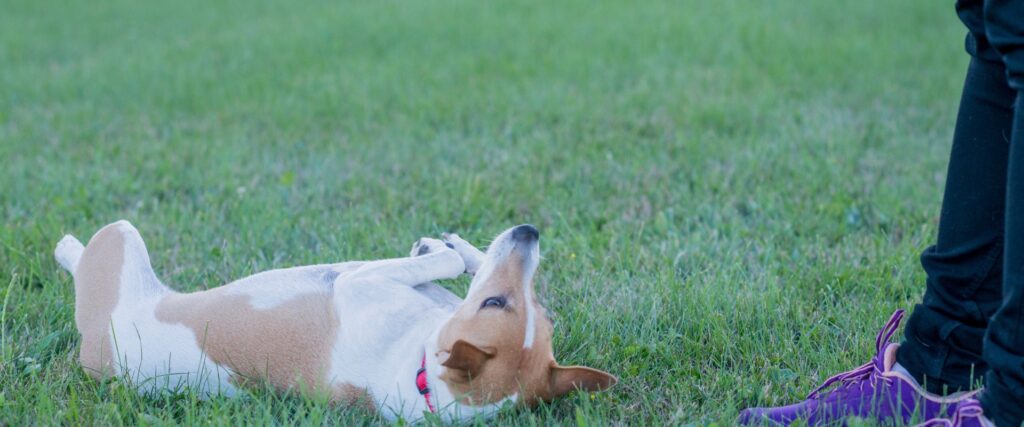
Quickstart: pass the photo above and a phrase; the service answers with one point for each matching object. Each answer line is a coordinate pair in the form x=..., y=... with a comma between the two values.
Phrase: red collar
x=421, y=382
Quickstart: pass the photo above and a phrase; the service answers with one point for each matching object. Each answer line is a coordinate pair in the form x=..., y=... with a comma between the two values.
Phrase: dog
x=379, y=334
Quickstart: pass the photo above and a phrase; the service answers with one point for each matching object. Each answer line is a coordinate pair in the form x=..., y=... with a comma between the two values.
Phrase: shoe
x=880, y=390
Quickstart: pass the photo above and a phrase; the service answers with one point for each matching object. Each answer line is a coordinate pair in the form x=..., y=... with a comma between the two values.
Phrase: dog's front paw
x=446, y=258
x=428, y=245
x=456, y=241
x=469, y=253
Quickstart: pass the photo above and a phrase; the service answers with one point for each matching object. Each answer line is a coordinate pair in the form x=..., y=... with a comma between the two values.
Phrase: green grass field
x=732, y=195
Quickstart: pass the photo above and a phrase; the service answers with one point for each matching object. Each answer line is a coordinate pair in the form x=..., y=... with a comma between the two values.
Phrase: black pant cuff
x=1000, y=406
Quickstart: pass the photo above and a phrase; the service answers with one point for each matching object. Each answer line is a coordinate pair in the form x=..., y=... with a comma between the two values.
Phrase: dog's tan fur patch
x=288, y=345
x=350, y=395
x=97, y=290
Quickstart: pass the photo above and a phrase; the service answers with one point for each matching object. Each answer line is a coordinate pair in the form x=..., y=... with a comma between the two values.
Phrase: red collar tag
x=421, y=382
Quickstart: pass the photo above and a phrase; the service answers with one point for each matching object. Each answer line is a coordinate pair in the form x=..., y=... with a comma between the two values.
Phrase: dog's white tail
x=68, y=252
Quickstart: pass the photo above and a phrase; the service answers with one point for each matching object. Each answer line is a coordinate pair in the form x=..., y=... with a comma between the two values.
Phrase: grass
x=732, y=194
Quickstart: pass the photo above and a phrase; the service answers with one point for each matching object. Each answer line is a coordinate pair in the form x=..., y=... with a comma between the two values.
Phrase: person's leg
x=1003, y=398
x=943, y=339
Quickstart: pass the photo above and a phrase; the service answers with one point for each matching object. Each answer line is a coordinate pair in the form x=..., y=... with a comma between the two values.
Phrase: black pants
x=969, y=329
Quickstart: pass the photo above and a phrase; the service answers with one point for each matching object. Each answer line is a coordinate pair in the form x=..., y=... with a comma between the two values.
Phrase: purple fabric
x=873, y=392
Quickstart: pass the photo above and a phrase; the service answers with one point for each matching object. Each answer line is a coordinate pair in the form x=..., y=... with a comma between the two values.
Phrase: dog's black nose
x=525, y=233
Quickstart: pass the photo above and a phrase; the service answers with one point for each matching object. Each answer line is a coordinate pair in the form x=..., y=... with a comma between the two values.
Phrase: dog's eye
x=494, y=302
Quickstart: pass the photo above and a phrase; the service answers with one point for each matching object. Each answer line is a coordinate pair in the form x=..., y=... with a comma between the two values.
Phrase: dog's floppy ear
x=467, y=357
x=568, y=378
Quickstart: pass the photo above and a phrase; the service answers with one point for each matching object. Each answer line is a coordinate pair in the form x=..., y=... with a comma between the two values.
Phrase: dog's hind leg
x=112, y=269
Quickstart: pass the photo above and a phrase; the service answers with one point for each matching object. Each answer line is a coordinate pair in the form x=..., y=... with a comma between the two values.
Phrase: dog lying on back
x=373, y=333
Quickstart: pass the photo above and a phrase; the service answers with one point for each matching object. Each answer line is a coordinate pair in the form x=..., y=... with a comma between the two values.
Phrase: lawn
x=732, y=194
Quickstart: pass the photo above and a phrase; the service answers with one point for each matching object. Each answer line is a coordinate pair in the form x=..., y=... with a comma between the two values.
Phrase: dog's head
x=498, y=344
